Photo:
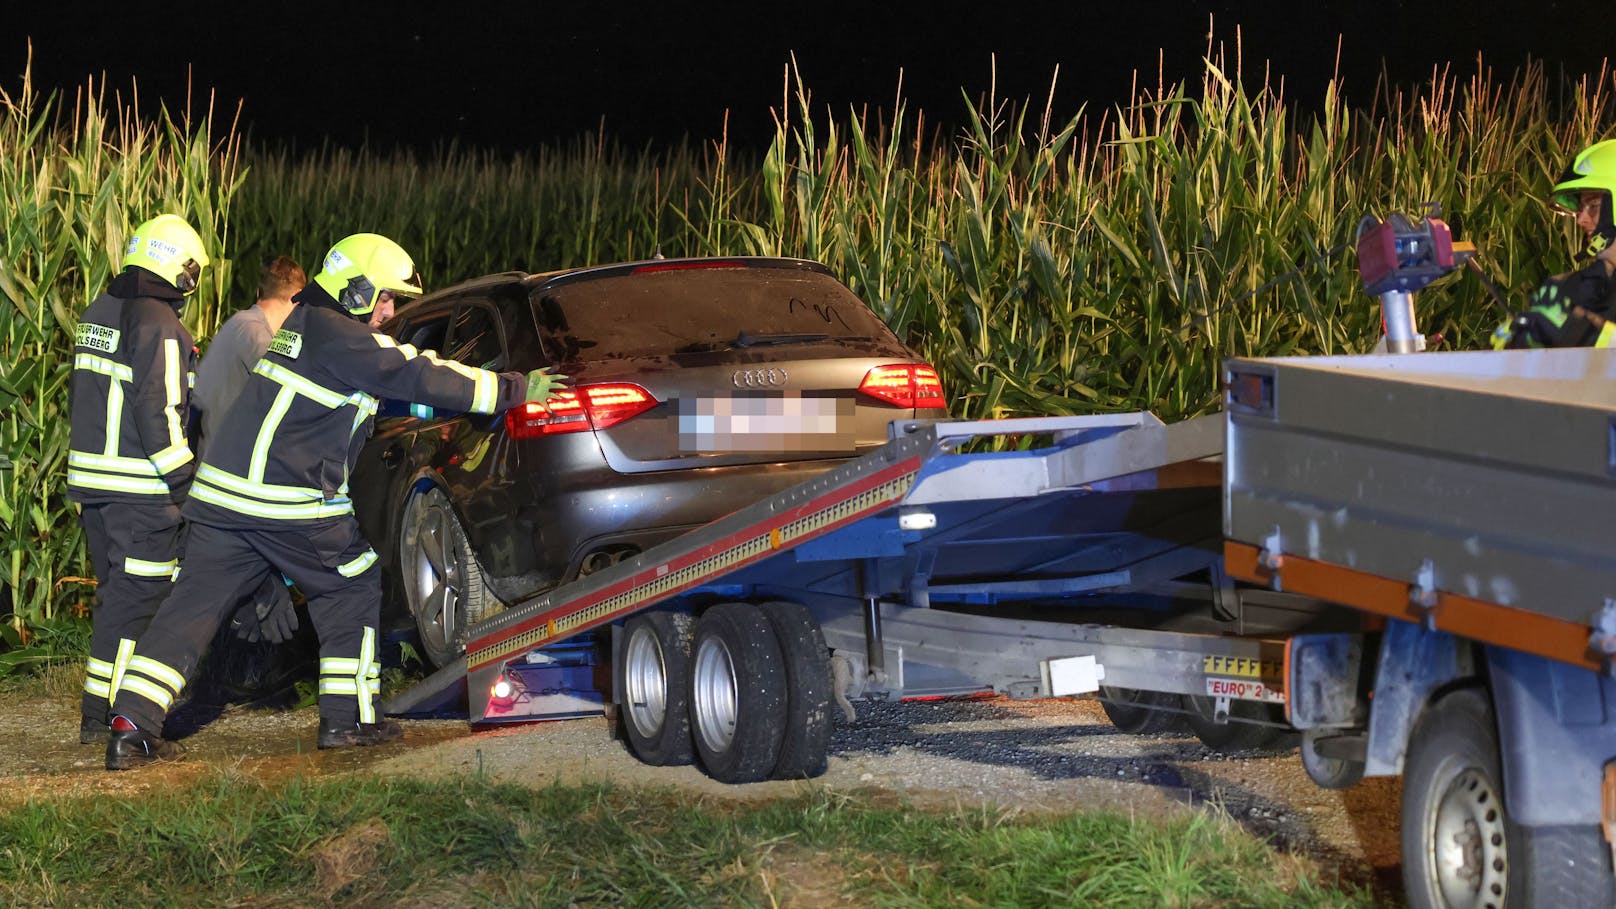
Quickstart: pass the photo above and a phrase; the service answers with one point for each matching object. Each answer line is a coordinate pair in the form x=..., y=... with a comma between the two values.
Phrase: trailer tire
x=1459, y=845
x=805, y=744
x=653, y=683
x=1233, y=735
x=1138, y=712
x=1328, y=772
x=737, y=693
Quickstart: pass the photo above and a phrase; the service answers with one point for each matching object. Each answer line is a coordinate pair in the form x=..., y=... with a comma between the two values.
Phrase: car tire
x=1138, y=712
x=442, y=582
x=805, y=743
x=737, y=693
x=653, y=685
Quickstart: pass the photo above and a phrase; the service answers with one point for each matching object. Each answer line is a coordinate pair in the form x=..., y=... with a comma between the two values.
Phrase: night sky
x=513, y=75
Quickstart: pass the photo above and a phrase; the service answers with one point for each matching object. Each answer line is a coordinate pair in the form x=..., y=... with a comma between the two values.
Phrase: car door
x=475, y=461
x=414, y=446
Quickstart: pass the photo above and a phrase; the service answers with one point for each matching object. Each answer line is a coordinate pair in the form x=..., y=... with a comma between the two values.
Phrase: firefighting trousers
x=134, y=550
x=330, y=562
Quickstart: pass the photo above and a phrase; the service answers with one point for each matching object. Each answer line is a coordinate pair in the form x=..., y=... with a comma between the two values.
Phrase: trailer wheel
x=1460, y=848
x=737, y=693
x=1139, y=712
x=805, y=745
x=1233, y=735
x=1328, y=772
x=653, y=681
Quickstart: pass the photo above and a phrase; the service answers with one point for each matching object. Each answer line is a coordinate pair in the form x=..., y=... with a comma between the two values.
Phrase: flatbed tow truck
x=1404, y=557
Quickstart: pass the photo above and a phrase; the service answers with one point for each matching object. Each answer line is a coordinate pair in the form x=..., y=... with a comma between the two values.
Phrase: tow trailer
x=1090, y=563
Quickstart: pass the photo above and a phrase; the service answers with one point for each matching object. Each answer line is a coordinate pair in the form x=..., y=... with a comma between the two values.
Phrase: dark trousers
x=330, y=562
x=134, y=549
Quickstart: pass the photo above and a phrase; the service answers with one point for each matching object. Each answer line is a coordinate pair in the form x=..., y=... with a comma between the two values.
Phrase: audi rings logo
x=770, y=377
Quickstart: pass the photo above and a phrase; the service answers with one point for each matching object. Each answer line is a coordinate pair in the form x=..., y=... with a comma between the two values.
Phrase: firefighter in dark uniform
x=1577, y=308
x=129, y=459
x=272, y=494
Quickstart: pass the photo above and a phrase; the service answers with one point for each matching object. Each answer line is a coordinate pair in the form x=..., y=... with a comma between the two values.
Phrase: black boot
x=92, y=731
x=129, y=747
x=346, y=734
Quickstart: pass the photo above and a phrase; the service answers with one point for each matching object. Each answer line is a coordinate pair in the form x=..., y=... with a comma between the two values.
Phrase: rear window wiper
x=746, y=340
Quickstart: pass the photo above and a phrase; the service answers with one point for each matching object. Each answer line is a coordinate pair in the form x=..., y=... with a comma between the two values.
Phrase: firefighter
x=272, y=494
x=129, y=459
x=1573, y=309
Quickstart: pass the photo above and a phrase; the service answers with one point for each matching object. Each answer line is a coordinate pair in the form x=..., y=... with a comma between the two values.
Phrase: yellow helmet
x=1594, y=168
x=170, y=248
x=360, y=267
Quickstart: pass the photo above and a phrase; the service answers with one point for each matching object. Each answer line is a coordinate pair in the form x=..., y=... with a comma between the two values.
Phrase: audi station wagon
x=698, y=386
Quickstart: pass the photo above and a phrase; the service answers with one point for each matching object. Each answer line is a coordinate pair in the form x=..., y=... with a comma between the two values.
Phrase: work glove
x=542, y=385
x=268, y=615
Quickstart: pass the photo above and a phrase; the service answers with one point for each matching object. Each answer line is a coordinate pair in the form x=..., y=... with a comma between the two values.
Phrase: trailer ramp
x=1110, y=502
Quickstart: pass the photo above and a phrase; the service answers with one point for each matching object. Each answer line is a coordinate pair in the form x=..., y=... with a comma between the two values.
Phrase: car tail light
x=906, y=385
x=688, y=266
x=586, y=407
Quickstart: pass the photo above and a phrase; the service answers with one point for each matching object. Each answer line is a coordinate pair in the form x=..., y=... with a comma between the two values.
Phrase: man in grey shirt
x=242, y=340
x=238, y=346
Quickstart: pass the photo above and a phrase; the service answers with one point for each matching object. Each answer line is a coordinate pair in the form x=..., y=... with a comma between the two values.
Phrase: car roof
x=592, y=272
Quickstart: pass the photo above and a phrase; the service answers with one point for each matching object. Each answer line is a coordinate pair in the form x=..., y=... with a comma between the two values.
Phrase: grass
x=378, y=841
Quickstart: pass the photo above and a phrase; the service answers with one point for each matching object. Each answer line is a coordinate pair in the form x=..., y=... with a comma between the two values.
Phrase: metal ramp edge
x=442, y=693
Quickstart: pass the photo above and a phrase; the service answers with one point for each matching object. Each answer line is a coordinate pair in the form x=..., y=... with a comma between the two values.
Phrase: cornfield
x=1047, y=264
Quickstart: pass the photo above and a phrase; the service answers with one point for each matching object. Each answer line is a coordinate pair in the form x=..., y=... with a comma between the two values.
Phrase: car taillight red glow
x=906, y=385
x=586, y=407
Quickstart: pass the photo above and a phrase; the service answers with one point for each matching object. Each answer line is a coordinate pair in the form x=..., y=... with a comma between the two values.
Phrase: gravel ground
x=1058, y=755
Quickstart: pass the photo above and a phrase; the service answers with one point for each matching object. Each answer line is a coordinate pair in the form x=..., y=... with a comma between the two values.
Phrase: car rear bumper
x=657, y=506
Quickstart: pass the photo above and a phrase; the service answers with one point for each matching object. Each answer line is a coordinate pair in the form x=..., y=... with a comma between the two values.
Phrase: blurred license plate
x=783, y=421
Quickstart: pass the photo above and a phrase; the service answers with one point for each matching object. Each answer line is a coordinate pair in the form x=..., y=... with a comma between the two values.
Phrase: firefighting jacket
x=133, y=363
x=1569, y=310
x=286, y=447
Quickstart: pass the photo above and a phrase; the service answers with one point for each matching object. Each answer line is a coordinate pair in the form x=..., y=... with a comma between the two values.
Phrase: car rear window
x=694, y=310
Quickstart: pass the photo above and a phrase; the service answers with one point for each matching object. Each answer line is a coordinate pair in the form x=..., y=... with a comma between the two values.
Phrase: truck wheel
x=443, y=583
x=1233, y=735
x=1458, y=844
x=1139, y=712
x=1460, y=848
x=737, y=693
x=653, y=681
x=1328, y=772
x=1567, y=866
x=805, y=745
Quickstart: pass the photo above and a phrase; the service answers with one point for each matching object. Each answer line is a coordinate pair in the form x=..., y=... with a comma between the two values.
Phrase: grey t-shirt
x=223, y=373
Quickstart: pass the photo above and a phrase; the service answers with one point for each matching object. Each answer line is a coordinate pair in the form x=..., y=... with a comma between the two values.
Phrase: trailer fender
x=1556, y=730
x=1324, y=681
x=1414, y=663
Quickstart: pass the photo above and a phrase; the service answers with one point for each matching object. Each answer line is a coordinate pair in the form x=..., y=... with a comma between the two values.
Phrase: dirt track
x=1052, y=755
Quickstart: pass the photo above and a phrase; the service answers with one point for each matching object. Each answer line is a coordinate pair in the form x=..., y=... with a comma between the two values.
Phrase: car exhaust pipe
x=605, y=558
